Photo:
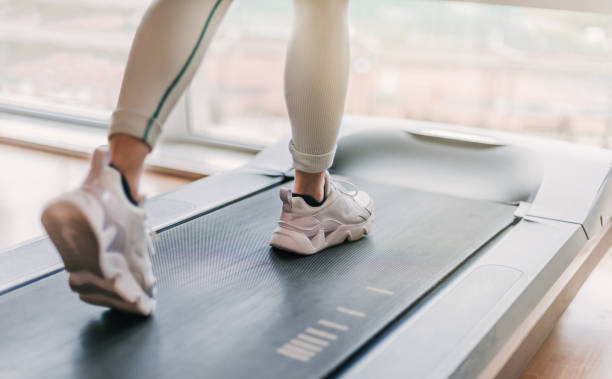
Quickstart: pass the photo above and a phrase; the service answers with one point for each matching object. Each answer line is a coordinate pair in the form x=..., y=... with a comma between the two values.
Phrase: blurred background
x=541, y=72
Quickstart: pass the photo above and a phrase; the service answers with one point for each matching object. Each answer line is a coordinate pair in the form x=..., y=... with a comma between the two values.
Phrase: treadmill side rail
x=36, y=259
x=528, y=338
x=519, y=267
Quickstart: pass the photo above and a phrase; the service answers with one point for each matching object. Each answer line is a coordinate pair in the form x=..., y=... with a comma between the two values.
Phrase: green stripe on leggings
x=183, y=69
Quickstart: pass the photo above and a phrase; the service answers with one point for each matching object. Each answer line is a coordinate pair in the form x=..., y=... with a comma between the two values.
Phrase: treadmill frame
x=547, y=255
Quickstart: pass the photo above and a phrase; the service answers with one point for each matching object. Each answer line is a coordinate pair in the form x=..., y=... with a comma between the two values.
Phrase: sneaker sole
x=113, y=285
x=298, y=243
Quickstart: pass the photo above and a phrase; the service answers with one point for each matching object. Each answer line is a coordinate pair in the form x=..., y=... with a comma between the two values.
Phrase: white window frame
x=597, y=6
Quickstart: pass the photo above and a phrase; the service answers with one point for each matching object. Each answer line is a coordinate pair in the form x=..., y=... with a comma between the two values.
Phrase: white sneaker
x=102, y=239
x=303, y=229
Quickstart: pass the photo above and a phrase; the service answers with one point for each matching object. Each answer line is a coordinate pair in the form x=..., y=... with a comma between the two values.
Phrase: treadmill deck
x=229, y=304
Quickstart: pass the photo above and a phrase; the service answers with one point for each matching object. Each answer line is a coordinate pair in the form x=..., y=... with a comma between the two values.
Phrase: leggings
x=171, y=41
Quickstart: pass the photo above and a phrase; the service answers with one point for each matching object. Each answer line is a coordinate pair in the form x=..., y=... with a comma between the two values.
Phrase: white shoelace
x=149, y=233
x=335, y=180
x=150, y=237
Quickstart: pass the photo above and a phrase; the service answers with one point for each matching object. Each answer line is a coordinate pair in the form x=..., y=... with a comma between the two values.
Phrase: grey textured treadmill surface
x=227, y=301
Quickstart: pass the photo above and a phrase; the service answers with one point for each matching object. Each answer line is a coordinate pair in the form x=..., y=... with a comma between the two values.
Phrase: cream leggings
x=170, y=44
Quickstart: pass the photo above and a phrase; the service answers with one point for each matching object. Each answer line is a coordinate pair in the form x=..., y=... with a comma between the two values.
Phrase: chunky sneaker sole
x=74, y=222
x=297, y=242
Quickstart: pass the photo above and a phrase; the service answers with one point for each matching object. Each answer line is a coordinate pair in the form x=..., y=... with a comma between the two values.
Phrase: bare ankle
x=309, y=184
x=127, y=156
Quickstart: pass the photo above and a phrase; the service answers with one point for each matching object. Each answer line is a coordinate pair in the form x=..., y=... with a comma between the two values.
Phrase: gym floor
x=578, y=347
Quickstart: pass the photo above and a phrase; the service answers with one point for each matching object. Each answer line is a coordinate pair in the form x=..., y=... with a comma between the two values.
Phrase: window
x=543, y=72
x=65, y=55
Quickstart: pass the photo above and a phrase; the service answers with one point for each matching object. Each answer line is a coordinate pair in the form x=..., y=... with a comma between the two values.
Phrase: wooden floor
x=30, y=178
x=580, y=346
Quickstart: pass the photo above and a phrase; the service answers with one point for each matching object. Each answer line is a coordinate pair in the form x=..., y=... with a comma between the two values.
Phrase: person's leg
x=316, y=79
x=319, y=212
x=99, y=229
x=166, y=52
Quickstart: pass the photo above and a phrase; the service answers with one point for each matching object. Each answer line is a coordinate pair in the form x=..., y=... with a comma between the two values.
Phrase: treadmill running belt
x=229, y=305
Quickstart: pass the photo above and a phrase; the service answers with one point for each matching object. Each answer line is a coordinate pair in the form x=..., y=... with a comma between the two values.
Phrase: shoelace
x=149, y=233
x=150, y=237
x=336, y=180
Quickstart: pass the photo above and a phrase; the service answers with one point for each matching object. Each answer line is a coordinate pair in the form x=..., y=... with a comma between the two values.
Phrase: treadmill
x=480, y=241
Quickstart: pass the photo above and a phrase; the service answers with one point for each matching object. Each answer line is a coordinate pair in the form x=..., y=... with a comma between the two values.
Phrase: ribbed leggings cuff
x=136, y=125
x=311, y=163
